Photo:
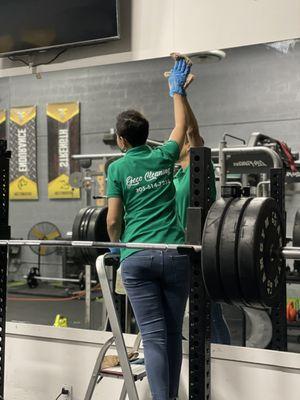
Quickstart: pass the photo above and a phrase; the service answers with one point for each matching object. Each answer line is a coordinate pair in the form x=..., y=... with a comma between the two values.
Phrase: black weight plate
x=84, y=232
x=260, y=263
x=76, y=231
x=210, y=250
x=76, y=224
x=97, y=232
x=296, y=237
x=229, y=251
x=296, y=230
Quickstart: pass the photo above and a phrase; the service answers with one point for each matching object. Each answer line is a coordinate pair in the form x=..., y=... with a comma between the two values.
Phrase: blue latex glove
x=178, y=77
x=114, y=250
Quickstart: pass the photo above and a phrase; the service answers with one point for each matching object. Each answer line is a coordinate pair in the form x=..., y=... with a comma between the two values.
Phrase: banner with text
x=2, y=124
x=23, y=145
x=63, y=141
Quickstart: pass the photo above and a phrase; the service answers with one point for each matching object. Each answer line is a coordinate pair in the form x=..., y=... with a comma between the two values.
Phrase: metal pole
x=95, y=156
x=260, y=185
x=108, y=155
x=88, y=193
x=88, y=296
x=291, y=253
x=287, y=252
x=278, y=312
x=222, y=162
x=265, y=191
x=46, y=278
x=105, y=245
x=199, y=314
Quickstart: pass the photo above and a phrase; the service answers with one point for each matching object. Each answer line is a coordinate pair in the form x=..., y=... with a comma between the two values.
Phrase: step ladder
x=127, y=371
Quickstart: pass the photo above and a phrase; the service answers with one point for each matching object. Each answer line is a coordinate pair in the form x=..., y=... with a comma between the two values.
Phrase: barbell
x=242, y=251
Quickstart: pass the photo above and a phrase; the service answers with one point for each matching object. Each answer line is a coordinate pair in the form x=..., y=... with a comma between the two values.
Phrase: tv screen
x=30, y=25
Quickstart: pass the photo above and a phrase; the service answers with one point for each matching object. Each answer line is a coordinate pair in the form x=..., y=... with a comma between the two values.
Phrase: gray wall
x=253, y=89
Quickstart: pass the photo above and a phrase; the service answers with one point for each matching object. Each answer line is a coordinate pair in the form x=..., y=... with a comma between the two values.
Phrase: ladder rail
x=116, y=329
x=95, y=374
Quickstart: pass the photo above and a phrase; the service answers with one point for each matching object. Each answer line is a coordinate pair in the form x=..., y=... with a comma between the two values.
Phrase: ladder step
x=138, y=372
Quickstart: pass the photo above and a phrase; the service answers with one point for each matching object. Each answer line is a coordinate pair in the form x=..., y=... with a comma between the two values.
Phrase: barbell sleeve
x=291, y=253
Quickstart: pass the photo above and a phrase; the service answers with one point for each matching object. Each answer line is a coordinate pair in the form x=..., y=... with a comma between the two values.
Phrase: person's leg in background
x=141, y=275
x=175, y=289
x=219, y=329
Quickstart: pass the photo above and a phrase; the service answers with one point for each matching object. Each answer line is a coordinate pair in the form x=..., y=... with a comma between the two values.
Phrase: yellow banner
x=62, y=112
x=60, y=188
x=63, y=121
x=2, y=124
x=23, y=145
x=23, y=188
x=2, y=116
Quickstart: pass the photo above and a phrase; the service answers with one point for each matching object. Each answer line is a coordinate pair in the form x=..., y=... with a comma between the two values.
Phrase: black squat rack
x=199, y=324
x=200, y=202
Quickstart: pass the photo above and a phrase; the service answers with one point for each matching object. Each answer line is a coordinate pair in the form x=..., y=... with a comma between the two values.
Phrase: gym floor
x=42, y=304
x=35, y=306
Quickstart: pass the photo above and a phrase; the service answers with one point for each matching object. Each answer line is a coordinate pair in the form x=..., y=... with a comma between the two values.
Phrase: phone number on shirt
x=155, y=185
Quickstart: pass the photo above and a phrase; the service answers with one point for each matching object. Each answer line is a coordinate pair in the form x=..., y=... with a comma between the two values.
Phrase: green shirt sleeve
x=114, y=188
x=169, y=151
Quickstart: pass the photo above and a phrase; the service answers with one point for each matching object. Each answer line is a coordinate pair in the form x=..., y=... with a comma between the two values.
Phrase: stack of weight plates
x=241, y=259
x=90, y=225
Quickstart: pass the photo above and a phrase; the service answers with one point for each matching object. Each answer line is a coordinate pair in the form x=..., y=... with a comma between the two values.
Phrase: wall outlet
x=67, y=390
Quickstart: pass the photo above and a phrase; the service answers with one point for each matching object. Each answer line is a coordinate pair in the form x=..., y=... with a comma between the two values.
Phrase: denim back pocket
x=135, y=269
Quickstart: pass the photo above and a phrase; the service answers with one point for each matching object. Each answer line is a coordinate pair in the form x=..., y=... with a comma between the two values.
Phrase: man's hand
x=178, y=77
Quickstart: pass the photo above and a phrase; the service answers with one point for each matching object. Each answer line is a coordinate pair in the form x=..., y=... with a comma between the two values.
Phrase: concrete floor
x=42, y=304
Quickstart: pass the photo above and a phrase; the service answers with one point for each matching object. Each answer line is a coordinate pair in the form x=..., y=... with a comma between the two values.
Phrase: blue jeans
x=157, y=284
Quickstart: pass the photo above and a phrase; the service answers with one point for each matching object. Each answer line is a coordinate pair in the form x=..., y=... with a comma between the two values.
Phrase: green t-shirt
x=182, y=185
x=143, y=179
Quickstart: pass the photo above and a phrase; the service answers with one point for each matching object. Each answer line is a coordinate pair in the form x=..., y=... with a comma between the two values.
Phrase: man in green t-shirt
x=219, y=329
x=141, y=192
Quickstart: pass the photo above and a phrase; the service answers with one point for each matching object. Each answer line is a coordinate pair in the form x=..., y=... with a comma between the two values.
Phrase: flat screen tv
x=36, y=25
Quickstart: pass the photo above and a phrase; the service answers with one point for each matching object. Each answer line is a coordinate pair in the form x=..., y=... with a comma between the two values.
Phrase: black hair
x=133, y=127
